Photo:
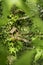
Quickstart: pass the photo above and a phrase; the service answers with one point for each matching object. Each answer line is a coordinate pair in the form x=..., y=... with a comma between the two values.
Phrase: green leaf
x=3, y=54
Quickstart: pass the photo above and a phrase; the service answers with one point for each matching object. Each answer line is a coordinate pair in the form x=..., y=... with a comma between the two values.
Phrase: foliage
x=21, y=30
x=3, y=54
